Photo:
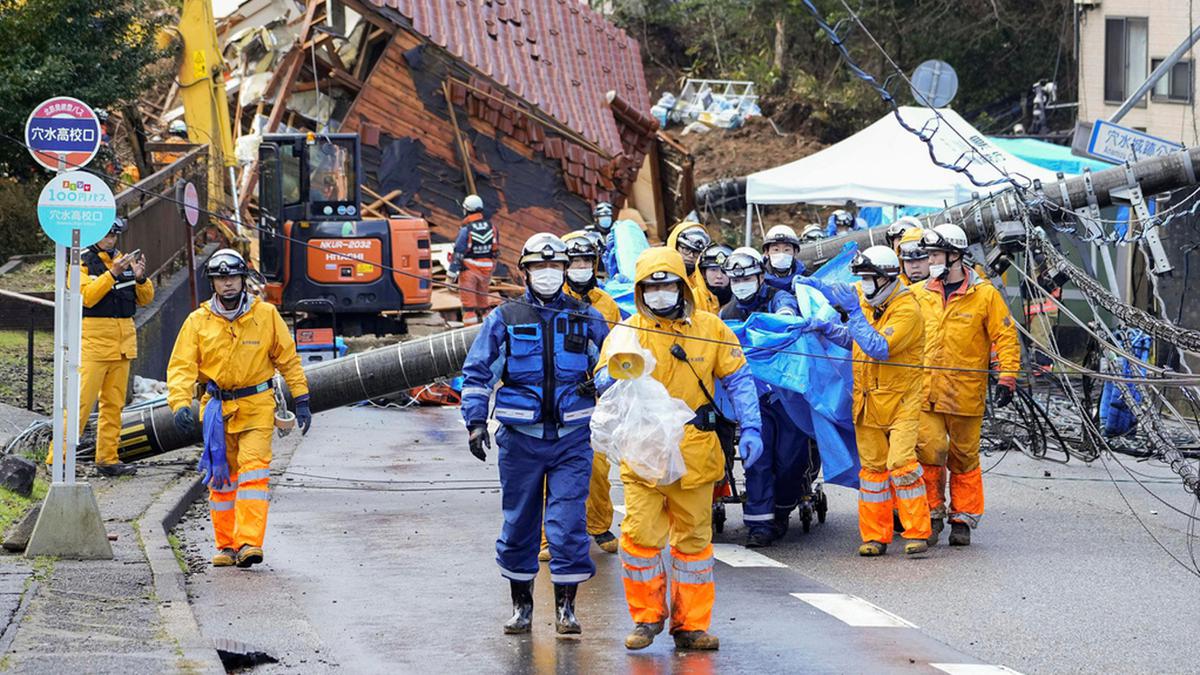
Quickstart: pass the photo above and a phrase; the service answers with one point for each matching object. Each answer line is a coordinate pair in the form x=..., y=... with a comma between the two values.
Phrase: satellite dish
x=934, y=83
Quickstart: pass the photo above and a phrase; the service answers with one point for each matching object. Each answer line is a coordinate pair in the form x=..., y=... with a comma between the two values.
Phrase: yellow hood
x=661, y=259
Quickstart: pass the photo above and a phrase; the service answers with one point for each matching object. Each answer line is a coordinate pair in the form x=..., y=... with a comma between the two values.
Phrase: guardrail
x=32, y=302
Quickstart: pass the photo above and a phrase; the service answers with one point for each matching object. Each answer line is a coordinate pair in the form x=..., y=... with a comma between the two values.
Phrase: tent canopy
x=886, y=165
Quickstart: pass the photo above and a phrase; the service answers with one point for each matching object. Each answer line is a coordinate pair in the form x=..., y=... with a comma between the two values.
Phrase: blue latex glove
x=840, y=295
x=750, y=446
x=303, y=414
x=869, y=340
x=743, y=392
x=834, y=332
x=185, y=421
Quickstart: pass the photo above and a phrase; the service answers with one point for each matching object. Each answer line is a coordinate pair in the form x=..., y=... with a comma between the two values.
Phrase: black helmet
x=226, y=263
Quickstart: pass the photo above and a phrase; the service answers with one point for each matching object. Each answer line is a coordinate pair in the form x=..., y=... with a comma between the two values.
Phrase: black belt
x=231, y=394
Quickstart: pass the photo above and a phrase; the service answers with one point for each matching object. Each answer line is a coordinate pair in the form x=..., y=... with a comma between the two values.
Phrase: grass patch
x=177, y=549
x=13, y=506
x=13, y=353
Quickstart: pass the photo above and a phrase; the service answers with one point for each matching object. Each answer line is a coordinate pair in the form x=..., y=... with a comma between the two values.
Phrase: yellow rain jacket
x=885, y=393
x=235, y=354
x=108, y=338
x=600, y=301
x=962, y=331
x=701, y=450
x=704, y=299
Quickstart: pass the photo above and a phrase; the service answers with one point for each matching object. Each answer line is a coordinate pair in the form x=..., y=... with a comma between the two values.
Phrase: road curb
x=169, y=581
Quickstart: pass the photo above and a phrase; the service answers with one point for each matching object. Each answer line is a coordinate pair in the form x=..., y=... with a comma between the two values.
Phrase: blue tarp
x=1048, y=155
x=1115, y=414
x=631, y=241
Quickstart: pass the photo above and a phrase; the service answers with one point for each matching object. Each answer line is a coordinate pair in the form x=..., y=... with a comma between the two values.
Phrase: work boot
x=249, y=555
x=544, y=554
x=871, y=549
x=782, y=521
x=897, y=524
x=914, y=546
x=522, y=597
x=960, y=534
x=696, y=639
x=607, y=542
x=226, y=557
x=564, y=610
x=759, y=539
x=643, y=635
x=116, y=469
x=936, y=525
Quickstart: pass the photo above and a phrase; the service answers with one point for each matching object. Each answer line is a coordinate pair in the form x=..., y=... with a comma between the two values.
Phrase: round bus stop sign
x=63, y=133
x=76, y=200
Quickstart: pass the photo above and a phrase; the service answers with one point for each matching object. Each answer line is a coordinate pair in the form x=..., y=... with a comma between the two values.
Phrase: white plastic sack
x=638, y=422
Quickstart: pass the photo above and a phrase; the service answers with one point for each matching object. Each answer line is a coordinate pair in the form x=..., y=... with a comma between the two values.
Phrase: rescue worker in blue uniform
x=542, y=348
x=780, y=247
x=602, y=225
x=773, y=484
x=474, y=260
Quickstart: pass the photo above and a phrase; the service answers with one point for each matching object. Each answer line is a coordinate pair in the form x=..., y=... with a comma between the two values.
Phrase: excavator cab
x=316, y=253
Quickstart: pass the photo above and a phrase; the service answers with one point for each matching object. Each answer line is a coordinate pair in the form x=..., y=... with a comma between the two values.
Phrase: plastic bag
x=637, y=421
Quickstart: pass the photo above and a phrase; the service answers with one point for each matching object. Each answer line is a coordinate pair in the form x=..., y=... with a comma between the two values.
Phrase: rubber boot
x=564, y=610
x=696, y=639
x=936, y=525
x=522, y=618
x=116, y=470
x=643, y=635
x=607, y=542
x=759, y=538
x=226, y=557
x=960, y=534
x=914, y=546
x=871, y=549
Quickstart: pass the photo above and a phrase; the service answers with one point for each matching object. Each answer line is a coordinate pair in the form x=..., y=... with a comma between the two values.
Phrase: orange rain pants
x=473, y=288
x=239, y=510
x=952, y=442
x=890, y=475
x=684, y=515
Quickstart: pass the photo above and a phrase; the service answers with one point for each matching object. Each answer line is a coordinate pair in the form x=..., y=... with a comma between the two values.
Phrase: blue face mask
x=604, y=223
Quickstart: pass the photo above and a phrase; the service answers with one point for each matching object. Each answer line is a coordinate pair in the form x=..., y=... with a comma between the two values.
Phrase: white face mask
x=782, y=261
x=868, y=286
x=661, y=299
x=937, y=271
x=743, y=290
x=546, y=282
x=579, y=275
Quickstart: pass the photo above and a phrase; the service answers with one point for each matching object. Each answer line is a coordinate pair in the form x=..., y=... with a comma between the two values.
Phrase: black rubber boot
x=759, y=539
x=960, y=534
x=936, y=525
x=116, y=470
x=522, y=618
x=564, y=610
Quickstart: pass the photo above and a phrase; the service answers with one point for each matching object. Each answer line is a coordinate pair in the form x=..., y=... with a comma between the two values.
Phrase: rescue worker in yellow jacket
x=966, y=318
x=232, y=345
x=888, y=336
x=581, y=285
x=691, y=348
x=113, y=286
x=690, y=239
x=914, y=260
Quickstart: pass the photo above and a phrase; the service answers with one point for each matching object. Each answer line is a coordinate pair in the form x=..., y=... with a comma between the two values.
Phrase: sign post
x=189, y=201
x=75, y=209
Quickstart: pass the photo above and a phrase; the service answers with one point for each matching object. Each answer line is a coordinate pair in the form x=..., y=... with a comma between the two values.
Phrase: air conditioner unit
x=1087, y=3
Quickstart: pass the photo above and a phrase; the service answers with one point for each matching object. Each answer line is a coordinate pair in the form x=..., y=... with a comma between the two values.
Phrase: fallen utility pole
x=979, y=217
x=332, y=384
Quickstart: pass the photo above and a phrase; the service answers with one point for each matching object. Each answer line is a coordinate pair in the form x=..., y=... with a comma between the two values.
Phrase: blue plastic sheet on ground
x=810, y=374
x=1116, y=416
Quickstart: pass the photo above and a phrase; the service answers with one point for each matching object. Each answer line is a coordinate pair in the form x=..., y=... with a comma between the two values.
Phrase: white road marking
x=736, y=555
x=853, y=611
x=973, y=669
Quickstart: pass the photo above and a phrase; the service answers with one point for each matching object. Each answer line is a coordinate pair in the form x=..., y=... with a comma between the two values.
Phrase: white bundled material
x=636, y=421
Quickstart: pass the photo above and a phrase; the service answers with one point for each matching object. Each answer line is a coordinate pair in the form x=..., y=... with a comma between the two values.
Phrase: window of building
x=1126, y=57
x=1176, y=85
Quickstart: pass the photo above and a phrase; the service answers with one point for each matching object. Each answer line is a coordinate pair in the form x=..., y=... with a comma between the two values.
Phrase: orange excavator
x=315, y=252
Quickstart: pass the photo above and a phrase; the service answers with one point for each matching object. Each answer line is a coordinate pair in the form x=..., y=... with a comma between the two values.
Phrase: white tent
x=885, y=164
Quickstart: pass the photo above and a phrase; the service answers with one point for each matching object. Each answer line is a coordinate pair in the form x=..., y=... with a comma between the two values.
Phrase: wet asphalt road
x=380, y=558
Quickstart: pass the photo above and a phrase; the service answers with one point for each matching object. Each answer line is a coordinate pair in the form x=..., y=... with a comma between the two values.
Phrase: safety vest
x=121, y=301
x=735, y=312
x=481, y=238
x=547, y=359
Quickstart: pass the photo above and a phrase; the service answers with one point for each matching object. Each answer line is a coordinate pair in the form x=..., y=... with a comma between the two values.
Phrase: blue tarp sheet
x=1048, y=155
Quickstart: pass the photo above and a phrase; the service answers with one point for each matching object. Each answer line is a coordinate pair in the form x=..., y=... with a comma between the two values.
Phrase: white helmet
x=880, y=269
x=813, y=232
x=945, y=237
x=543, y=247
x=781, y=234
x=472, y=204
x=743, y=262
x=898, y=228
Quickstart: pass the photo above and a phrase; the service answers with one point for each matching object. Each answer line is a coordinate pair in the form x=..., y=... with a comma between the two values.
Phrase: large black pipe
x=332, y=384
